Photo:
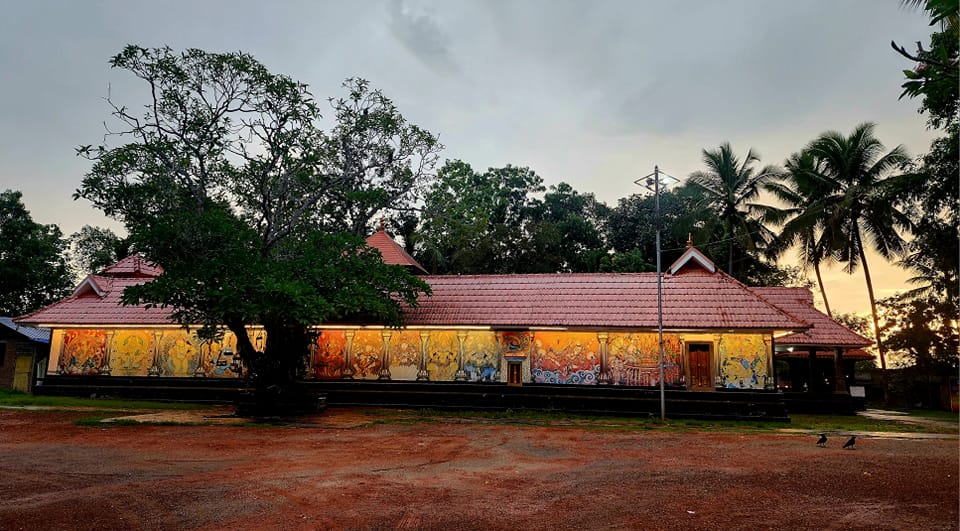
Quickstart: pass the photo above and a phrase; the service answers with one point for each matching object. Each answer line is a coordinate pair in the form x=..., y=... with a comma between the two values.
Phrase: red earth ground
x=350, y=469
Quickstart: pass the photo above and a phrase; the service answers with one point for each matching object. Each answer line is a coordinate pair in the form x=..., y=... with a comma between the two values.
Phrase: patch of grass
x=16, y=398
x=825, y=423
x=856, y=423
x=97, y=421
x=945, y=416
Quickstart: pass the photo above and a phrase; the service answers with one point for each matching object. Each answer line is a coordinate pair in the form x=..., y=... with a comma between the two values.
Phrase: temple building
x=564, y=329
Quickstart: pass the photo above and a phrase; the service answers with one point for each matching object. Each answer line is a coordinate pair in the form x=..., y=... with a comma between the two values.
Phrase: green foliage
x=94, y=248
x=632, y=224
x=33, y=272
x=728, y=189
x=229, y=184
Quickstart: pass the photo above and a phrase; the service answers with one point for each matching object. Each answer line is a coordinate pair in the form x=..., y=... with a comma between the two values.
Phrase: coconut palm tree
x=857, y=206
x=800, y=187
x=727, y=188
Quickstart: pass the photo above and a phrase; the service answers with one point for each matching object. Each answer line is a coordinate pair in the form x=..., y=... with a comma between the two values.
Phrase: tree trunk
x=876, y=323
x=823, y=292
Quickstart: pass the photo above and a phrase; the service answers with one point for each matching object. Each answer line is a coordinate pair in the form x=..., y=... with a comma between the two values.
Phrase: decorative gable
x=692, y=257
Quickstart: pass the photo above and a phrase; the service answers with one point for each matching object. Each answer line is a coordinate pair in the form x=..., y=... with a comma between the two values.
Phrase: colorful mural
x=632, y=359
x=83, y=351
x=178, y=353
x=743, y=361
x=481, y=360
x=404, y=354
x=367, y=350
x=330, y=354
x=515, y=344
x=565, y=358
x=552, y=356
x=131, y=353
x=442, y=358
x=218, y=356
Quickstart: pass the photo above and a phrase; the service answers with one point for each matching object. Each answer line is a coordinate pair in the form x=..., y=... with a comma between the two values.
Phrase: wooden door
x=699, y=363
x=21, y=374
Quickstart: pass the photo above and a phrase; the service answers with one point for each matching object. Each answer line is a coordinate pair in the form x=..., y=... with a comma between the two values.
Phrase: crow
x=822, y=442
x=851, y=442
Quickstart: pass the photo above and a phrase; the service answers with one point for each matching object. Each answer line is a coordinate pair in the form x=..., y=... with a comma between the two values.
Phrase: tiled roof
x=825, y=332
x=132, y=266
x=40, y=335
x=391, y=251
x=853, y=354
x=692, y=299
x=87, y=307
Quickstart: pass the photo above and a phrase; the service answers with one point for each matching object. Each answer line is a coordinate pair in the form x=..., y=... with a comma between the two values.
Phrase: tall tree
x=802, y=226
x=859, y=205
x=479, y=223
x=567, y=231
x=94, y=248
x=33, y=270
x=728, y=188
x=229, y=184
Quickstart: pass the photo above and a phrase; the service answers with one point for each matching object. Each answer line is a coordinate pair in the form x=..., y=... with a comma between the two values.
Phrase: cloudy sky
x=591, y=93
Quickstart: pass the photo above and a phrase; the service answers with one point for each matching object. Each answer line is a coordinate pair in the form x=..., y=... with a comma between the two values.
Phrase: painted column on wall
x=633, y=359
x=743, y=361
x=565, y=357
x=423, y=374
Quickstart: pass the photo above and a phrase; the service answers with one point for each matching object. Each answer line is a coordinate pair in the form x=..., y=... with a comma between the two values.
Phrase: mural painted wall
x=743, y=361
x=481, y=358
x=442, y=358
x=82, y=351
x=134, y=352
x=330, y=354
x=404, y=354
x=565, y=358
x=632, y=359
x=548, y=356
x=367, y=350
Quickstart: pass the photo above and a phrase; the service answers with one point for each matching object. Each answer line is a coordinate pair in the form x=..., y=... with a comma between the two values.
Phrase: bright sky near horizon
x=590, y=93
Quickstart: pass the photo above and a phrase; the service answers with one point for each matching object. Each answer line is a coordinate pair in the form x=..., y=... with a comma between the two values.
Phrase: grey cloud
x=423, y=37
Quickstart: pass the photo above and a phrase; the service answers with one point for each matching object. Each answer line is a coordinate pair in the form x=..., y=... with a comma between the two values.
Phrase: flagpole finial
x=383, y=224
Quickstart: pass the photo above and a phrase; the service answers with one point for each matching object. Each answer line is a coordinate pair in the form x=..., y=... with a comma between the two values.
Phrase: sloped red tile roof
x=825, y=332
x=853, y=353
x=86, y=307
x=132, y=266
x=692, y=299
x=391, y=251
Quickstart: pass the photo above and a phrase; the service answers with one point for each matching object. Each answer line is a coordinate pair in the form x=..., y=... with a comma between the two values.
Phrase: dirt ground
x=346, y=470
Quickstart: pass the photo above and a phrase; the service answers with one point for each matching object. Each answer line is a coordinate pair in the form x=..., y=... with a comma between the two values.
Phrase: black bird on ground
x=822, y=441
x=851, y=442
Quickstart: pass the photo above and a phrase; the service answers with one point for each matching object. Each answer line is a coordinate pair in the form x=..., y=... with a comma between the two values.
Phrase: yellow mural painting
x=131, y=352
x=178, y=353
x=442, y=360
x=367, y=350
x=565, y=357
x=218, y=356
x=743, y=361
